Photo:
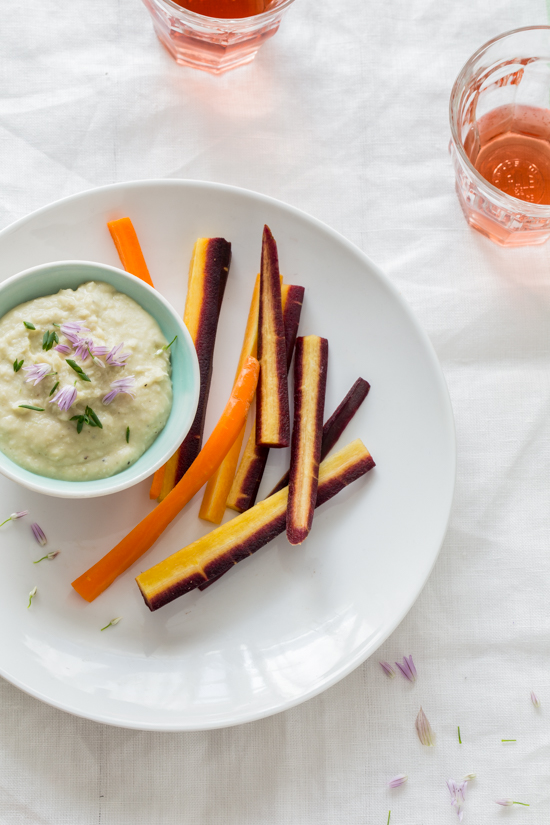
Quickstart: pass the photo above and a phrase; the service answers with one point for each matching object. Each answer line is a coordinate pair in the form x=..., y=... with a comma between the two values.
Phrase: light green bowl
x=49, y=279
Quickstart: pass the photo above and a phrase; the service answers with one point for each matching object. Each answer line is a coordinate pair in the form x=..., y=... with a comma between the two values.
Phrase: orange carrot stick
x=95, y=580
x=128, y=248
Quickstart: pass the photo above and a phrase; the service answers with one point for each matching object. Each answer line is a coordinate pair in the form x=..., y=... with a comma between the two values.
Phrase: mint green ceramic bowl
x=49, y=279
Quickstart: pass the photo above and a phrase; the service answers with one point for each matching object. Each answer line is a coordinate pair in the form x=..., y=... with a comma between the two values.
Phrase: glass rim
x=204, y=20
x=522, y=206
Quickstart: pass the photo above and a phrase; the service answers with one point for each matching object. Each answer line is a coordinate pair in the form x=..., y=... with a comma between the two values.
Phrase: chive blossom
x=112, y=623
x=39, y=534
x=32, y=594
x=50, y=556
x=166, y=346
x=15, y=516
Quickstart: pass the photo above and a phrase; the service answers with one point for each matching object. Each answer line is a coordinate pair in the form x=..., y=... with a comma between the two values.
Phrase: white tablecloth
x=344, y=114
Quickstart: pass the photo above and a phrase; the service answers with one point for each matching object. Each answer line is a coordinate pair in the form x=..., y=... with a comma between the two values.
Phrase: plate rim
x=367, y=650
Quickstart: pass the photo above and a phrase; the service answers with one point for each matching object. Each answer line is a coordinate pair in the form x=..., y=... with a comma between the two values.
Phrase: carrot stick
x=217, y=490
x=156, y=484
x=95, y=580
x=208, y=272
x=128, y=248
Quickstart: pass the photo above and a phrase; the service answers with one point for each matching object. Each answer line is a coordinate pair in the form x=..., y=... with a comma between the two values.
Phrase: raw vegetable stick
x=95, y=580
x=207, y=278
x=272, y=411
x=310, y=381
x=251, y=469
x=217, y=490
x=128, y=248
x=332, y=430
x=218, y=551
x=336, y=424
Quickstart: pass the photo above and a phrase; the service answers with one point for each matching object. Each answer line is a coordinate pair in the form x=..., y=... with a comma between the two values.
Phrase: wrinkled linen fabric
x=343, y=114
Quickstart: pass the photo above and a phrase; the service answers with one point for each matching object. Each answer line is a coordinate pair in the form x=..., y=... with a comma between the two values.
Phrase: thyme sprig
x=88, y=417
x=49, y=339
x=79, y=371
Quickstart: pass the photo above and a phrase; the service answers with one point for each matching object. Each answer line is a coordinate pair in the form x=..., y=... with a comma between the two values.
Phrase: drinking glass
x=500, y=117
x=209, y=43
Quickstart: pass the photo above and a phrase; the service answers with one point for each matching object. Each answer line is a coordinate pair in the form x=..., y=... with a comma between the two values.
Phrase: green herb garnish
x=53, y=389
x=17, y=365
x=127, y=435
x=32, y=594
x=166, y=346
x=78, y=370
x=29, y=325
x=30, y=407
x=459, y=739
x=49, y=339
x=88, y=417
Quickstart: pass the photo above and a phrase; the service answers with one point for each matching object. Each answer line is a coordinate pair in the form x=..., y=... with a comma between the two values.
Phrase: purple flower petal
x=99, y=350
x=65, y=398
x=398, y=780
x=39, y=534
x=115, y=360
x=20, y=514
x=63, y=349
x=121, y=385
x=36, y=373
x=388, y=669
x=535, y=699
x=424, y=729
x=71, y=330
x=407, y=668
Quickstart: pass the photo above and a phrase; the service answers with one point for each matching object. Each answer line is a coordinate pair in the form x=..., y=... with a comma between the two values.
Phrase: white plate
x=289, y=622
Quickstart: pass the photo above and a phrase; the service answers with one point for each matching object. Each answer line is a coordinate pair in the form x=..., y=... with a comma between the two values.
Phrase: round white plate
x=289, y=622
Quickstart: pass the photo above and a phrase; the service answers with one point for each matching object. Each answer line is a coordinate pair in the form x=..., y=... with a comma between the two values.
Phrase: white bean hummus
x=96, y=367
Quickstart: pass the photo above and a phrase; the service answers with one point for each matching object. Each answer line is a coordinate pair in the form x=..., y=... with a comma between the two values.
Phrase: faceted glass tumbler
x=505, y=79
x=212, y=44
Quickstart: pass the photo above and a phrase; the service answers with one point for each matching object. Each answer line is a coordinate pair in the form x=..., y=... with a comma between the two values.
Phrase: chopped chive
x=49, y=339
x=56, y=325
x=80, y=372
x=55, y=386
x=18, y=364
x=29, y=325
x=30, y=407
x=127, y=435
x=508, y=740
x=389, y=814
x=94, y=420
x=459, y=739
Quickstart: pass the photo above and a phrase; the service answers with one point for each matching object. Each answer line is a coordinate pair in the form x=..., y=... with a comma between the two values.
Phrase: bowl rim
x=60, y=488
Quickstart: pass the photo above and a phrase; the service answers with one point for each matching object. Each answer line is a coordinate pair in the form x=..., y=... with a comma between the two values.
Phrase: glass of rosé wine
x=500, y=144
x=215, y=35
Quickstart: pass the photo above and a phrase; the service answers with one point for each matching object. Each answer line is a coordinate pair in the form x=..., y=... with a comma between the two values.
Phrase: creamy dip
x=48, y=442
